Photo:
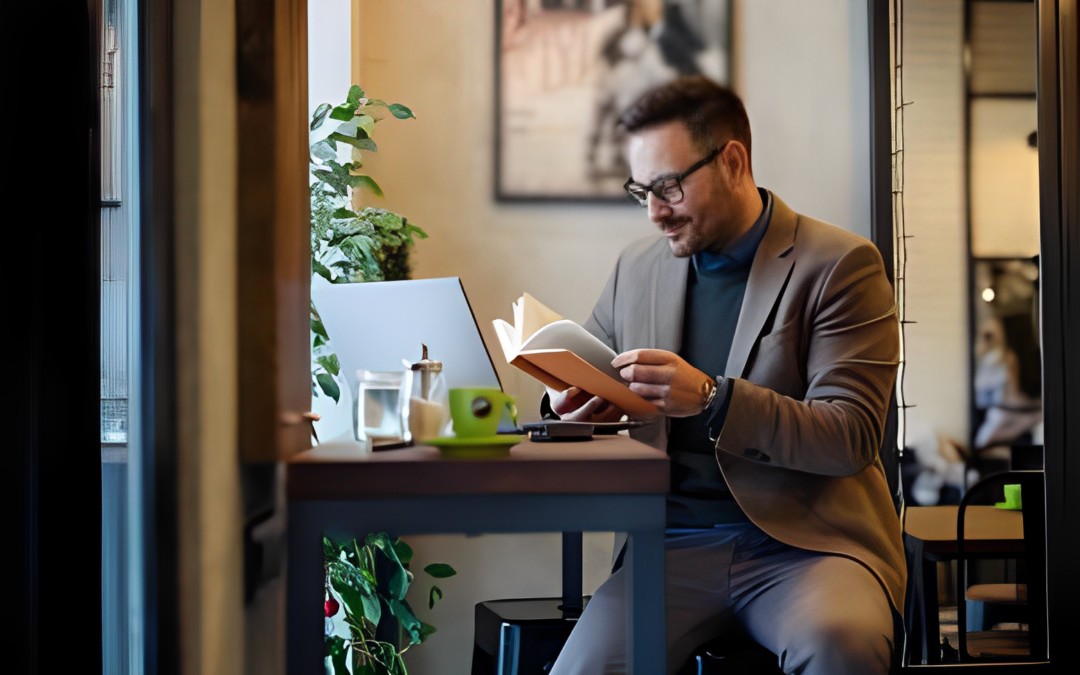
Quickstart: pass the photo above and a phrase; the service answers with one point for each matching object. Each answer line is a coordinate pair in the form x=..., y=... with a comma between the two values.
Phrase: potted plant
x=350, y=243
x=366, y=586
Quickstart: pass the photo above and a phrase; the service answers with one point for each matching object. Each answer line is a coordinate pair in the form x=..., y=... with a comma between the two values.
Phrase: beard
x=688, y=242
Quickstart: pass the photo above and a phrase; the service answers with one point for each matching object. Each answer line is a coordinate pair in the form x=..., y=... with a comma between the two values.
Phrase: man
x=768, y=340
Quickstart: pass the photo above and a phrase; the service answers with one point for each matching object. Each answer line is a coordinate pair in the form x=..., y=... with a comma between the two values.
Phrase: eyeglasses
x=668, y=190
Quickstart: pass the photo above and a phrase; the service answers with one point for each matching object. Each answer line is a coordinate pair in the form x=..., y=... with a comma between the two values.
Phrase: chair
x=1030, y=596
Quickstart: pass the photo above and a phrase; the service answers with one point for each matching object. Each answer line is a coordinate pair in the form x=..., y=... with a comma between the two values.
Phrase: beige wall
x=803, y=71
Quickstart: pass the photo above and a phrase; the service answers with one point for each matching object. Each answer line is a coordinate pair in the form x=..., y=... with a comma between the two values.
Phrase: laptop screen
x=375, y=325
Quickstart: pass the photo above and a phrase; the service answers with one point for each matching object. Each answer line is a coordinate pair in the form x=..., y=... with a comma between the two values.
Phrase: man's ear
x=736, y=159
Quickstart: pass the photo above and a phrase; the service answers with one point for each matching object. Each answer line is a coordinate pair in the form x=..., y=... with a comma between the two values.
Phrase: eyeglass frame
x=651, y=187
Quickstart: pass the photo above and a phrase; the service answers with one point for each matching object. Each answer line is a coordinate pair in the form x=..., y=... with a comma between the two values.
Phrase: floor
x=1005, y=640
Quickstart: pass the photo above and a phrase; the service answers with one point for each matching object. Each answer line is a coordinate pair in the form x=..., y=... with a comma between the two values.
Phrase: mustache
x=673, y=222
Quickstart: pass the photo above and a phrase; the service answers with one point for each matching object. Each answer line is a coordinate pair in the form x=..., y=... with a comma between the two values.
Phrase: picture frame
x=565, y=69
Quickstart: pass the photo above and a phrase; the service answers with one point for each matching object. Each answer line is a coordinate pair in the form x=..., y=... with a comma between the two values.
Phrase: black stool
x=524, y=636
x=734, y=653
x=520, y=637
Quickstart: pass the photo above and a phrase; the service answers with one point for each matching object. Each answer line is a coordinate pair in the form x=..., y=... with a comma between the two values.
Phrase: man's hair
x=711, y=112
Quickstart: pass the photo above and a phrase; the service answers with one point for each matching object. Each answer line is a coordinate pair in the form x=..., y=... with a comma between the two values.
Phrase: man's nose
x=658, y=208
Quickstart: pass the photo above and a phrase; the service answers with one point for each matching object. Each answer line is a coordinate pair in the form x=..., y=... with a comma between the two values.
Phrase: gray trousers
x=821, y=614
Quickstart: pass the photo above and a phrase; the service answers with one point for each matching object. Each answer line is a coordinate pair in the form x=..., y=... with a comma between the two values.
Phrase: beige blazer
x=814, y=355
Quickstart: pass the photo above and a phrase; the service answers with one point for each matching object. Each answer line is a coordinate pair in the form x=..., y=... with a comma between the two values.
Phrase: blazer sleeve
x=601, y=323
x=851, y=357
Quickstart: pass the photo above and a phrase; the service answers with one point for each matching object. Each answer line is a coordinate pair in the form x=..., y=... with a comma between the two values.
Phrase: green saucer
x=480, y=446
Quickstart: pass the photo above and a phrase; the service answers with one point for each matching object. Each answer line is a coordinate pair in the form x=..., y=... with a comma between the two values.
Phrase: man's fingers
x=569, y=400
x=586, y=411
x=653, y=393
x=638, y=372
x=643, y=356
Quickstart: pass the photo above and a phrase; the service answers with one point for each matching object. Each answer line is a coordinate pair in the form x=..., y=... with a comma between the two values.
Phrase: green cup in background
x=476, y=411
x=1012, y=497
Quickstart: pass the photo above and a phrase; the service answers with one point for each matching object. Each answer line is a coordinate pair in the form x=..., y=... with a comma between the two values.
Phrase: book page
x=507, y=338
x=567, y=335
x=534, y=316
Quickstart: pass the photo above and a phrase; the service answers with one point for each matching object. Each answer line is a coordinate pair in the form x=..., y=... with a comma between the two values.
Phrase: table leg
x=304, y=592
x=572, y=604
x=646, y=620
x=932, y=632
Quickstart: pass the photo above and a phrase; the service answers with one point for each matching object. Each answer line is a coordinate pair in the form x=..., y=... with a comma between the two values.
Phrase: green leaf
x=329, y=386
x=426, y=630
x=339, y=654
x=318, y=328
x=352, y=129
x=330, y=363
x=355, y=94
x=406, y=619
x=320, y=115
x=344, y=213
x=344, y=266
x=366, y=123
x=434, y=595
x=404, y=551
x=369, y=577
x=343, y=113
x=357, y=593
x=440, y=570
x=337, y=177
x=324, y=150
x=369, y=183
x=322, y=270
x=356, y=142
x=398, y=583
x=377, y=102
x=319, y=341
x=365, y=144
x=401, y=112
x=330, y=549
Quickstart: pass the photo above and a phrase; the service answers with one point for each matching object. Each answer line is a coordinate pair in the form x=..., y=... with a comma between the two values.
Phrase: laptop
x=376, y=325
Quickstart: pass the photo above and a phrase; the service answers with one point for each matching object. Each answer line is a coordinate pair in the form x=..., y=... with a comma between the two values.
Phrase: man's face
x=703, y=219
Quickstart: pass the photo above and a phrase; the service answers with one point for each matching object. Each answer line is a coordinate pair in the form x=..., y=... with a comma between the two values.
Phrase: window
x=122, y=544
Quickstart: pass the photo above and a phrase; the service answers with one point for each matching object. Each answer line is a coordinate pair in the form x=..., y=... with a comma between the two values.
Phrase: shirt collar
x=740, y=254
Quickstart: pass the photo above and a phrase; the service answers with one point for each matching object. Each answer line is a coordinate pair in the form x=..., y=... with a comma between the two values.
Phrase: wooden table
x=930, y=538
x=609, y=484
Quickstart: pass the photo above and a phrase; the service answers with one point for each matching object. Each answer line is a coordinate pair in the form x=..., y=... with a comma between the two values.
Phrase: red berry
x=331, y=607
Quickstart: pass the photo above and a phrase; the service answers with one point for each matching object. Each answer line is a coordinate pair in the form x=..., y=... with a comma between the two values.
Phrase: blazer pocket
x=777, y=363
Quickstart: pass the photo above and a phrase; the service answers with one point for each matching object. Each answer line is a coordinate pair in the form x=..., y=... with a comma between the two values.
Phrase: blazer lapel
x=768, y=275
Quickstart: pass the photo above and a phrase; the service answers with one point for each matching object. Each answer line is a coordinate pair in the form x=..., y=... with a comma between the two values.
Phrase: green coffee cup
x=477, y=411
x=1012, y=497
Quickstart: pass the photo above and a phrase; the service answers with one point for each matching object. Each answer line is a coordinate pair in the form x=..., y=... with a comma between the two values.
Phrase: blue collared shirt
x=740, y=253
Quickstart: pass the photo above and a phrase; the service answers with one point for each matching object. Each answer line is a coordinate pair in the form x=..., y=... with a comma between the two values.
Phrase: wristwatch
x=708, y=393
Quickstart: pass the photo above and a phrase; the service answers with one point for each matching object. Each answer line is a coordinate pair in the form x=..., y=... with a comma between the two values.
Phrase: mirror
x=967, y=173
x=970, y=207
x=1003, y=216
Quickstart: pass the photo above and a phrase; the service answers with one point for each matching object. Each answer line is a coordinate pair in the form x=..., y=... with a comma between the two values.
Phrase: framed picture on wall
x=567, y=68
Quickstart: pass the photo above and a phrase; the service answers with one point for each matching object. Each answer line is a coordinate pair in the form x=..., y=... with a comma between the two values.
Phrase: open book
x=561, y=354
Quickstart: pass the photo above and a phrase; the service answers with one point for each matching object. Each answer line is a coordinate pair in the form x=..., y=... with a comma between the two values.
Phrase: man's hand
x=575, y=405
x=663, y=379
